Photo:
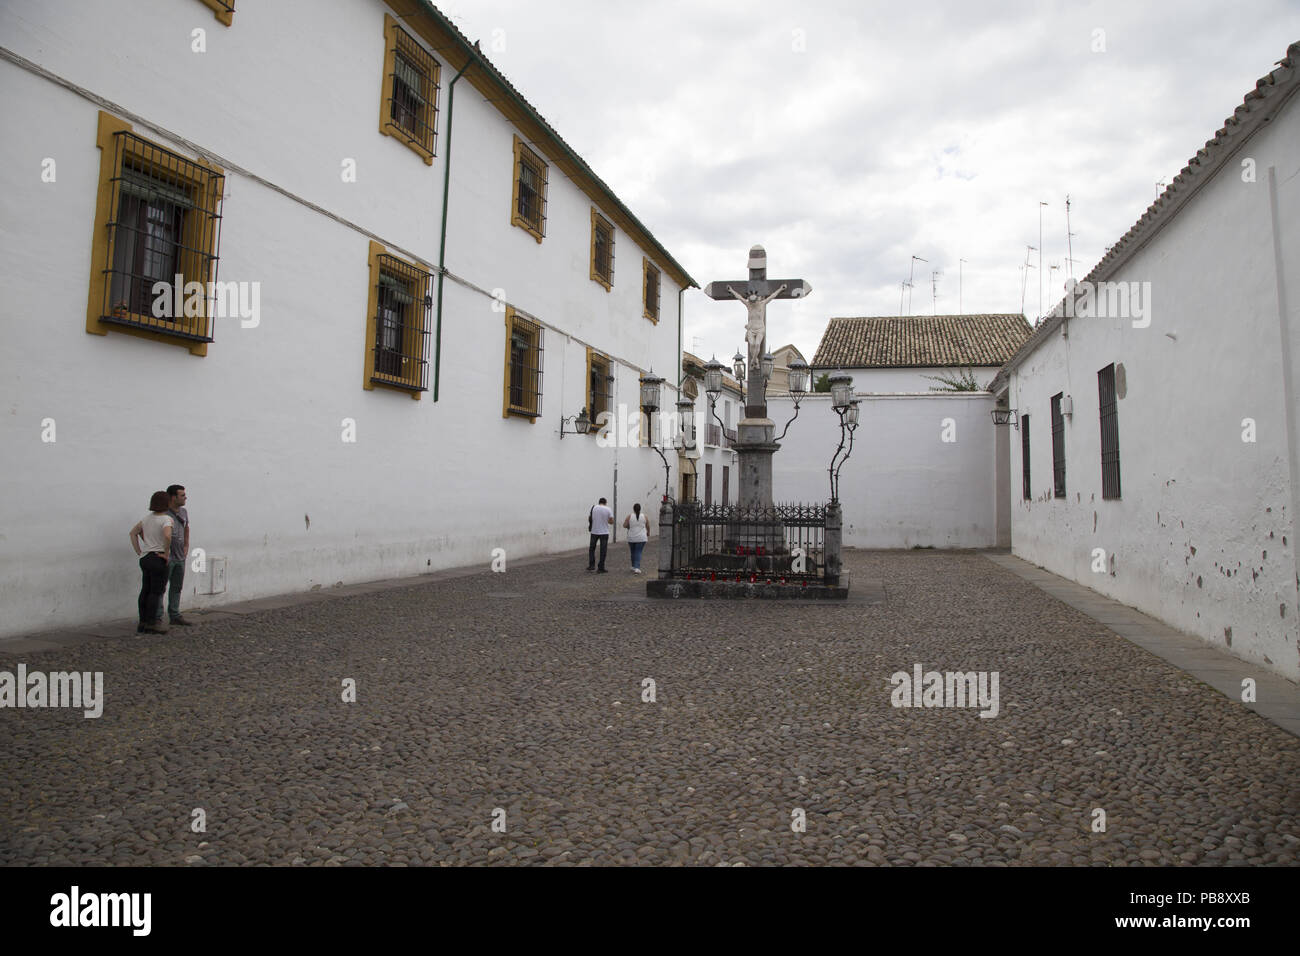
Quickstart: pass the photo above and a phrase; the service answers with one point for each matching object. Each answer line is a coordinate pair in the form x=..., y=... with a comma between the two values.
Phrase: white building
x=1157, y=449
x=345, y=409
x=708, y=471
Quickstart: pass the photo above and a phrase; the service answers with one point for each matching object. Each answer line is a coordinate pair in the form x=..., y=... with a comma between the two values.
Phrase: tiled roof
x=920, y=341
x=1257, y=109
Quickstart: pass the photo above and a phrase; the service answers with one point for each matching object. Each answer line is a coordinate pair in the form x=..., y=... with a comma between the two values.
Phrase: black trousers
x=591, y=551
x=153, y=583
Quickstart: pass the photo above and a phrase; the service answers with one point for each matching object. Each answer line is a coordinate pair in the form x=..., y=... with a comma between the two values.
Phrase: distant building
x=890, y=353
x=708, y=472
x=780, y=382
x=1156, y=453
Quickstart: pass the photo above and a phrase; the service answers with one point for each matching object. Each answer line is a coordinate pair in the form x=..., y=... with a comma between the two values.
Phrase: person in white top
x=154, y=530
x=600, y=520
x=638, y=533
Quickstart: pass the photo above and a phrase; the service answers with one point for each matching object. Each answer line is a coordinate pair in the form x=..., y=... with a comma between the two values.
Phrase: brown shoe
x=155, y=628
x=180, y=619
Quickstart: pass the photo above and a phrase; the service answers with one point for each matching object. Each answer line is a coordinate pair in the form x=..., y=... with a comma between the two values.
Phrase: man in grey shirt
x=179, y=552
x=602, y=519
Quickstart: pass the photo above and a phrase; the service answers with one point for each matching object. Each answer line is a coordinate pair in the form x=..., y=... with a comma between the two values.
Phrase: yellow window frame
x=515, y=321
x=651, y=276
x=430, y=71
x=600, y=222
x=524, y=155
x=411, y=382
x=208, y=191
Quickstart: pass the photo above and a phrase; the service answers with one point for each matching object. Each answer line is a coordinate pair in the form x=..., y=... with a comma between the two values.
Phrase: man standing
x=602, y=520
x=179, y=553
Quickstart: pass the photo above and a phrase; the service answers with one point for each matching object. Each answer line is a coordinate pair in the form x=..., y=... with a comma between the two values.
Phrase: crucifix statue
x=756, y=292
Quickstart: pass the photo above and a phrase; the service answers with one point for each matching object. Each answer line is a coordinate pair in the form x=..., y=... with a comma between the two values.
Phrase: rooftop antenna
x=1069, y=245
x=1040, y=256
x=902, y=290
x=911, y=274
x=934, y=292
x=1025, y=279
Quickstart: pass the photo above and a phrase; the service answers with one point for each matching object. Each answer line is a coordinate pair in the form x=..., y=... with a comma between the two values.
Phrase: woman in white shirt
x=638, y=533
x=154, y=530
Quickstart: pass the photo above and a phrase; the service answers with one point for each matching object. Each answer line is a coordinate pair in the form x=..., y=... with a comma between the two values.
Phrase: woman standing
x=638, y=533
x=155, y=531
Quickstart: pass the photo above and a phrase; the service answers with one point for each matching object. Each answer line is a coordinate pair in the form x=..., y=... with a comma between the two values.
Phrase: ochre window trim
x=117, y=143
x=225, y=12
x=413, y=347
x=397, y=42
x=598, y=361
x=651, y=279
x=525, y=156
x=524, y=409
x=599, y=221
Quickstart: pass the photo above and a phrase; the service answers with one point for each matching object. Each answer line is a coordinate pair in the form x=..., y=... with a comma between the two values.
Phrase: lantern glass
x=738, y=366
x=1003, y=416
x=769, y=361
x=583, y=424
x=798, y=377
x=686, y=422
x=851, y=416
x=841, y=389
x=713, y=377
x=650, y=392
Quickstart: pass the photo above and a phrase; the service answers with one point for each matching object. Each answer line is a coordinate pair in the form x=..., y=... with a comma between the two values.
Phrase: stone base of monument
x=748, y=590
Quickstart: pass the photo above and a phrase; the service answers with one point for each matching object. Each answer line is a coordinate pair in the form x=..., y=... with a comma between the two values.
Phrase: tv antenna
x=911, y=274
x=959, y=309
x=934, y=291
x=1069, y=236
x=1024, y=281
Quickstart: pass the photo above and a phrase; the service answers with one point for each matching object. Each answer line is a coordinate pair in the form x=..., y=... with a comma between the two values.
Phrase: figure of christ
x=756, y=327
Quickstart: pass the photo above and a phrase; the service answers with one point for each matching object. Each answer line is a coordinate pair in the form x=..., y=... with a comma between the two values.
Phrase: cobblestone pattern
x=522, y=691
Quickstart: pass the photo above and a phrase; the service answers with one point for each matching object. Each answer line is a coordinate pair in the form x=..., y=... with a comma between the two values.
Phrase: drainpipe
x=442, y=239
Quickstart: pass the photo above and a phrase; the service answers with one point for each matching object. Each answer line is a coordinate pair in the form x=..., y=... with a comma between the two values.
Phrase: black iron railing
x=783, y=542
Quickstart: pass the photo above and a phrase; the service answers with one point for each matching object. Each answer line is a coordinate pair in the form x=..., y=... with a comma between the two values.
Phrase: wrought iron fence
x=785, y=542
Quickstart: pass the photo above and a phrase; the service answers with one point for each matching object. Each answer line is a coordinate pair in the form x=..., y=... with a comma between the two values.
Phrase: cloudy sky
x=847, y=137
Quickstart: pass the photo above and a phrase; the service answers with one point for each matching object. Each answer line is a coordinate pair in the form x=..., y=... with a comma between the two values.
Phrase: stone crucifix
x=756, y=292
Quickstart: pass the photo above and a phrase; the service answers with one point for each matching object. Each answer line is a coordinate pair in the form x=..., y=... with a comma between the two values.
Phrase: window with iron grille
x=1024, y=456
x=599, y=384
x=1058, y=447
x=528, y=209
x=156, y=241
x=602, y=250
x=651, y=292
x=523, y=369
x=397, y=326
x=409, y=109
x=223, y=10
x=1109, y=433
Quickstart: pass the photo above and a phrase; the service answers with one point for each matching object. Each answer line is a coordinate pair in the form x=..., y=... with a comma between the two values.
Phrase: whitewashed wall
x=254, y=428
x=903, y=486
x=1204, y=535
x=891, y=380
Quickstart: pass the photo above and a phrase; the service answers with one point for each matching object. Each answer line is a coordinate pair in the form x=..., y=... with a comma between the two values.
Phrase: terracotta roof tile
x=921, y=341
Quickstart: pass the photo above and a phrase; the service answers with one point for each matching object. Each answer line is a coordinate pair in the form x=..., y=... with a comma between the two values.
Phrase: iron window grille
x=599, y=380
x=602, y=250
x=165, y=223
x=411, y=88
x=524, y=368
x=403, y=309
x=1058, y=447
x=529, y=208
x=1109, y=433
x=651, y=292
x=1024, y=456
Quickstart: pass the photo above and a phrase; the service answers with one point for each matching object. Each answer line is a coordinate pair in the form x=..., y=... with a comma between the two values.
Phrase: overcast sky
x=847, y=137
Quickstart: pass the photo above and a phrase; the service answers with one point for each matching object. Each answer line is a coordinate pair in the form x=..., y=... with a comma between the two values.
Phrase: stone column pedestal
x=833, y=543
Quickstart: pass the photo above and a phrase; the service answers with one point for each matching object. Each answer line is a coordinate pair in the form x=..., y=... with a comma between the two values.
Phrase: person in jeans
x=638, y=533
x=601, y=520
x=179, y=552
x=154, y=532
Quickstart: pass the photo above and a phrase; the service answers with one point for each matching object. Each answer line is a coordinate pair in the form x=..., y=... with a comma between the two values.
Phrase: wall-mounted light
x=1005, y=416
x=580, y=422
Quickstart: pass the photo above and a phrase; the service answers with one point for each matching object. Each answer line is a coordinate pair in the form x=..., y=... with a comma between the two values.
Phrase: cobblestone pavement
x=523, y=691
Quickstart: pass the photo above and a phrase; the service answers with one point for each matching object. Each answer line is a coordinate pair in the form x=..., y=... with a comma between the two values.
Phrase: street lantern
x=650, y=386
x=799, y=375
x=738, y=366
x=1005, y=416
x=768, y=361
x=841, y=390
x=686, y=422
x=713, y=378
x=851, y=416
